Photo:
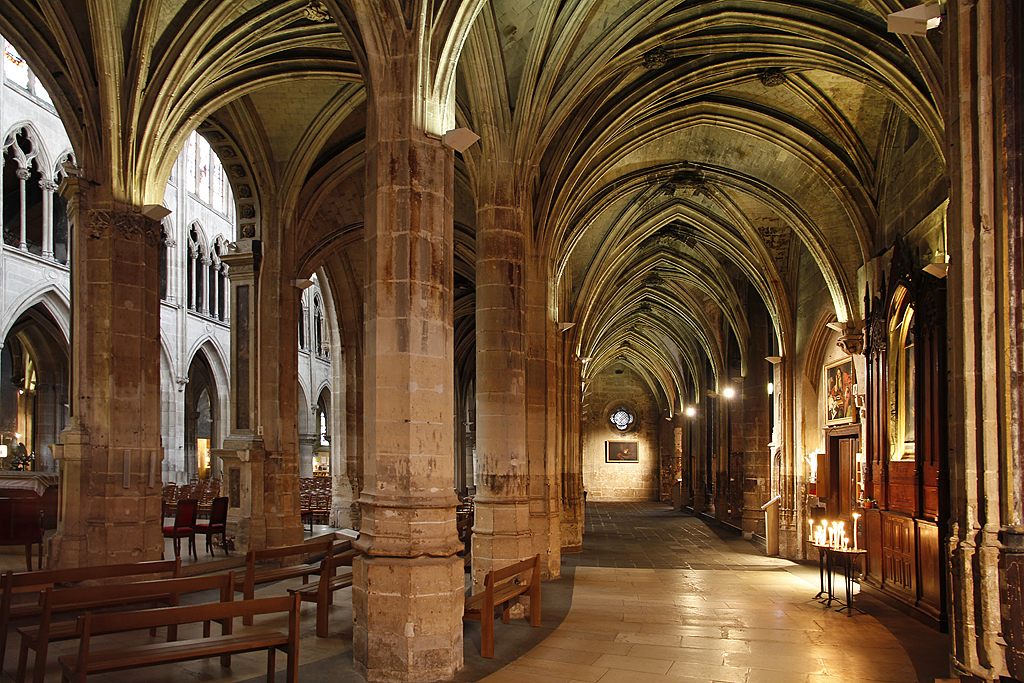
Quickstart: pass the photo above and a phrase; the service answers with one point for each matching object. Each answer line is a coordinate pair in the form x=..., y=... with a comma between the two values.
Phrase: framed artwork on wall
x=840, y=406
x=621, y=451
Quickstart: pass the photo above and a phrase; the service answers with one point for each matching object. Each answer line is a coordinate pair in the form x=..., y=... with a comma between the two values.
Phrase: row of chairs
x=203, y=490
x=315, y=500
x=186, y=525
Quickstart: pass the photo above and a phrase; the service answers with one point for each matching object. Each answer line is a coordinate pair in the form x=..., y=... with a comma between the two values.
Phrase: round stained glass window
x=622, y=418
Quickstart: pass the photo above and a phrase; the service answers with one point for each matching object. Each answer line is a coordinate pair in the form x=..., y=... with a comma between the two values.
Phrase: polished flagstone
x=655, y=596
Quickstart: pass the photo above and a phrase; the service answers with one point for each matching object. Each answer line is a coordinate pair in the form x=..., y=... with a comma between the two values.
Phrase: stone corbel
x=851, y=341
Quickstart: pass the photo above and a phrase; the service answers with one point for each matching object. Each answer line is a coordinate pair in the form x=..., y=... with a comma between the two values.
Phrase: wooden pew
x=62, y=600
x=75, y=667
x=254, y=576
x=322, y=592
x=501, y=586
x=17, y=583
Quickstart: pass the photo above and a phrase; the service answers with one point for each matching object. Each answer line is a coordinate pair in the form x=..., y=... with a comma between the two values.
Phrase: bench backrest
x=80, y=597
x=532, y=565
x=189, y=614
x=12, y=581
x=315, y=547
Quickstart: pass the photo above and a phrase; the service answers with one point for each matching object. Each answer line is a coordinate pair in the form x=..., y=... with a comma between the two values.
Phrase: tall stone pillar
x=501, y=529
x=985, y=311
x=409, y=582
x=110, y=455
x=244, y=455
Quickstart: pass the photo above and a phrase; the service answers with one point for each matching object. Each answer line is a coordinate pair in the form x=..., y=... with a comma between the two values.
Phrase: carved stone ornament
x=772, y=77
x=248, y=231
x=851, y=343
x=236, y=171
x=130, y=226
x=244, y=191
x=247, y=211
x=656, y=58
x=315, y=11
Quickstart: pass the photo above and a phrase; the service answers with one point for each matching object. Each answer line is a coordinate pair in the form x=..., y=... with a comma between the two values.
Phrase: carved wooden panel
x=930, y=574
x=873, y=543
x=902, y=487
x=898, y=541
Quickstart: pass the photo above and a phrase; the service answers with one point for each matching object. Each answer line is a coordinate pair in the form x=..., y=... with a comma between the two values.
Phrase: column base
x=407, y=618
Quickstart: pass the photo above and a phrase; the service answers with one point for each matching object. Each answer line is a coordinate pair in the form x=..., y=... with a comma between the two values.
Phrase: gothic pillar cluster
x=110, y=458
x=985, y=134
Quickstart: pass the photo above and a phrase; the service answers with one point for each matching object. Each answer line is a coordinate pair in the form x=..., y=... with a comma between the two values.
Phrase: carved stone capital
x=23, y=173
x=127, y=225
x=48, y=185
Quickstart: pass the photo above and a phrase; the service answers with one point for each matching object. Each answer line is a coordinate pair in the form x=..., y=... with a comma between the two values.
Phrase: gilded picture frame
x=839, y=380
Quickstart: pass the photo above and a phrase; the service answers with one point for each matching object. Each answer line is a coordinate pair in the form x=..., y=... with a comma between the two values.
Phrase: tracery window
x=204, y=174
x=319, y=336
x=302, y=327
x=621, y=418
x=17, y=72
x=901, y=370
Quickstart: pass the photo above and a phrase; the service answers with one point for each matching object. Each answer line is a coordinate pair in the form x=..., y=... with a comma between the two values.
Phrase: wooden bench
x=254, y=576
x=25, y=583
x=75, y=667
x=322, y=592
x=501, y=586
x=62, y=600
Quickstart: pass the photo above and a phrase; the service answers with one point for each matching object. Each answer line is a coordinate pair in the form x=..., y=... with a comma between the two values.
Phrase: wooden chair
x=184, y=526
x=218, y=524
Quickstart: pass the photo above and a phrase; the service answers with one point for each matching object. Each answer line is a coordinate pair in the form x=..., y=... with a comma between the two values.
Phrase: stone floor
x=655, y=596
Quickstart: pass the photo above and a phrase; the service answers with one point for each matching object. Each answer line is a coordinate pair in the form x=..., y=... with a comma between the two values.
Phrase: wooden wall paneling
x=899, y=555
x=930, y=568
x=873, y=543
x=903, y=487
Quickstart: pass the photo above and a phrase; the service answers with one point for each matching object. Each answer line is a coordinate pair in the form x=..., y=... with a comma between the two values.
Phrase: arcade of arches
x=725, y=251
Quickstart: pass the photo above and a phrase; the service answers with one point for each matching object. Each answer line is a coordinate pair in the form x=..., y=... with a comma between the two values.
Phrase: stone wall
x=620, y=481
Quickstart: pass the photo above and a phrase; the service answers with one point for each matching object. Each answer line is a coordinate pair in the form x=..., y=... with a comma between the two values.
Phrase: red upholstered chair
x=184, y=526
x=218, y=524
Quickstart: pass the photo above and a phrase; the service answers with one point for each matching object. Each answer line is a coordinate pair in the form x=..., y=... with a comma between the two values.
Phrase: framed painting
x=840, y=406
x=621, y=451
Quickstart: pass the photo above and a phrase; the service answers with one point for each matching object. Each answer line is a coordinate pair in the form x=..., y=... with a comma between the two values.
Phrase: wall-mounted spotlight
x=459, y=139
x=728, y=392
x=690, y=411
x=915, y=21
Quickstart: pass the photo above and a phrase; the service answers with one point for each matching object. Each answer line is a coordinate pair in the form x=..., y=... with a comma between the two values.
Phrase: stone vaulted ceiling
x=674, y=157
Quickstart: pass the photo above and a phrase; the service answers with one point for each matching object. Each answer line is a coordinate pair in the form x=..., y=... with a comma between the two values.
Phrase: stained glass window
x=15, y=68
x=622, y=418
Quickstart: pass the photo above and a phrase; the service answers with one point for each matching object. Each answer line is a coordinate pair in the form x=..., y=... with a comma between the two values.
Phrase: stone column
x=408, y=583
x=501, y=529
x=48, y=187
x=110, y=456
x=306, y=443
x=23, y=175
x=984, y=326
x=244, y=454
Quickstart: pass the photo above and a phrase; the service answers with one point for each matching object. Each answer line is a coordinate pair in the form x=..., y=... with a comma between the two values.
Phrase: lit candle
x=856, y=517
x=810, y=529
